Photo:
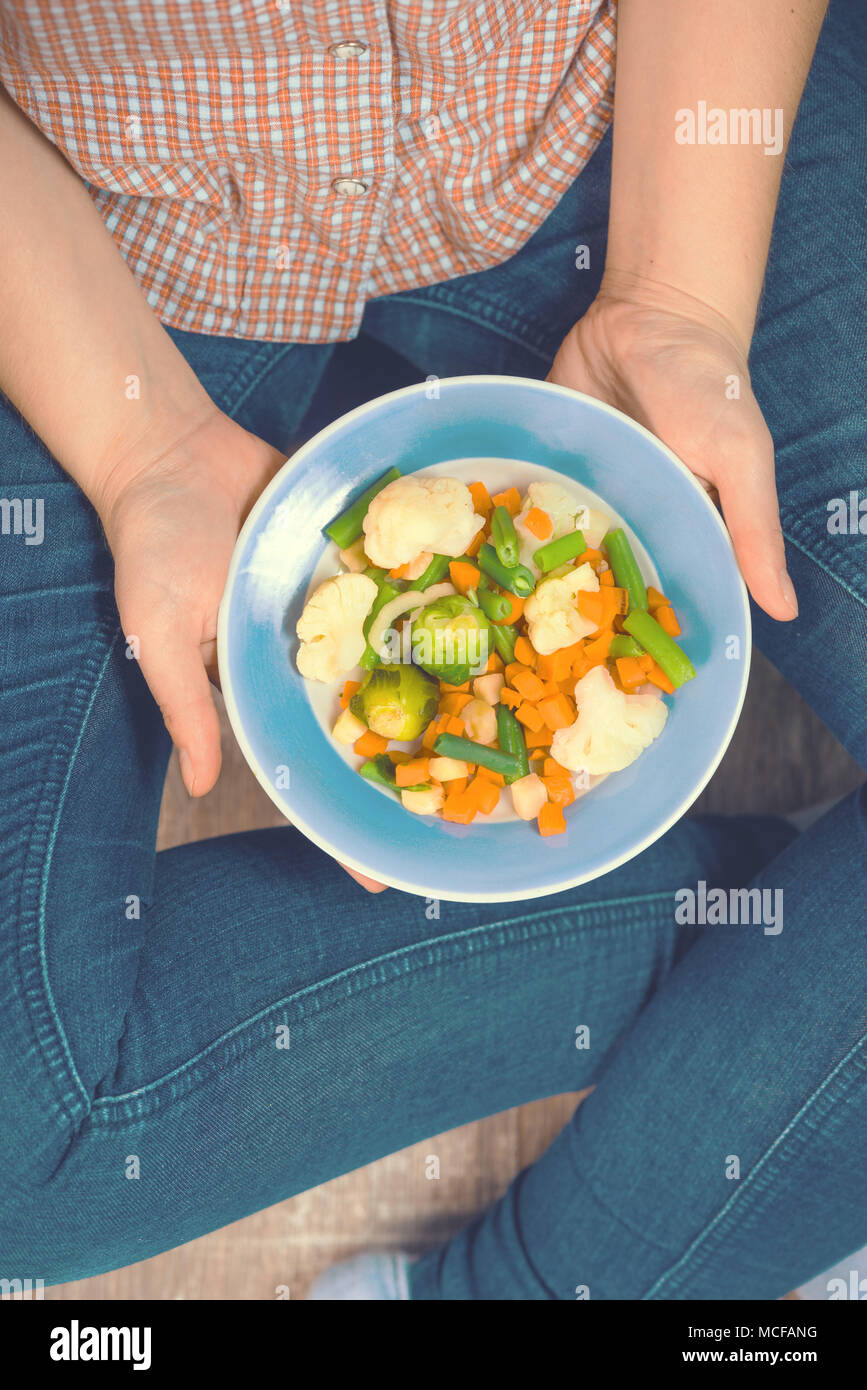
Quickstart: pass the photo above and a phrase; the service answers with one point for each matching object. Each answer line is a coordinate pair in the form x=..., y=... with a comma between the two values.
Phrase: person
x=206, y=212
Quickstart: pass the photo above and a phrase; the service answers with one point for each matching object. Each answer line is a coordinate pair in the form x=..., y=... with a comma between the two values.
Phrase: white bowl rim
x=298, y=821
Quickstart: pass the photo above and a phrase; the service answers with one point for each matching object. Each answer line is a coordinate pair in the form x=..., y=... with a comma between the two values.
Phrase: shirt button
x=349, y=188
x=349, y=48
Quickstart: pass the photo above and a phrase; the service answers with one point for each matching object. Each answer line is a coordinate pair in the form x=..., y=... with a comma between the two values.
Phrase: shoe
x=364, y=1278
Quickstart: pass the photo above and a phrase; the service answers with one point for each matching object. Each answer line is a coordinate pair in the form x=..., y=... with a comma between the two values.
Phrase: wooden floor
x=780, y=759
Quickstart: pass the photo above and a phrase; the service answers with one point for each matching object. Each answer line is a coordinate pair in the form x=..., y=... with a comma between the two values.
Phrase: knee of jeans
x=80, y=856
x=823, y=653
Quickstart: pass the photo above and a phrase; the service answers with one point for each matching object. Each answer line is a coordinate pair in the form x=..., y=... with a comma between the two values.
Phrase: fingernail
x=185, y=763
x=788, y=591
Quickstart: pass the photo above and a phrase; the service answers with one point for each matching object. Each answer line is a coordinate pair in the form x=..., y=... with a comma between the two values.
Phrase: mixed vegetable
x=511, y=641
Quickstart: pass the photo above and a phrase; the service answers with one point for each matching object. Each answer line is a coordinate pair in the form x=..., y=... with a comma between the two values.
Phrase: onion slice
x=396, y=607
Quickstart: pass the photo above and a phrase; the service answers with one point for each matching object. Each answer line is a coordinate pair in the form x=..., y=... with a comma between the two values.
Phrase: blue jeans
x=143, y=997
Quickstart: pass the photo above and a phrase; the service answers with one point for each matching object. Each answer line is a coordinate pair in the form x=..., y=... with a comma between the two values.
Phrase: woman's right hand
x=172, y=508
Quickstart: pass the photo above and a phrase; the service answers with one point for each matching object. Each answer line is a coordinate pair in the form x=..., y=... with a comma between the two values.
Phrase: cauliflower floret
x=611, y=729
x=331, y=628
x=552, y=617
x=594, y=525
x=417, y=513
x=562, y=506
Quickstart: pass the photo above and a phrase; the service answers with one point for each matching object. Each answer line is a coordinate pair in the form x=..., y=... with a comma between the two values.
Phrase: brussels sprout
x=396, y=701
x=451, y=638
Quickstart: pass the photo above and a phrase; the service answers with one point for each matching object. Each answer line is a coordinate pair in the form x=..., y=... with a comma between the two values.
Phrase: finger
x=370, y=884
x=748, y=496
x=172, y=665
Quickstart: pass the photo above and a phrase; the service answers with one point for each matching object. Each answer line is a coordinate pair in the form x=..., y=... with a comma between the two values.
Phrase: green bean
x=388, y=590
x=505, y=637
x=664, y=650
x=434, y=574
x=625, y=567
x=453, y=746
x=494, y=606
x=624, y=646
x=381, y=771
x=511, y=740
x=377, y=575
x=560, y=552
x=518, y=580
x=347, y=527
x=505, y=537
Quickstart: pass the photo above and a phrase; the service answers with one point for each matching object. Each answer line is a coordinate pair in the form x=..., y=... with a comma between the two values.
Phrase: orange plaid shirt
x=267, y=166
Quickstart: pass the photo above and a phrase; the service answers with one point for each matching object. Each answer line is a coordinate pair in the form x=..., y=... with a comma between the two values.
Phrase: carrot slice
x=551, y=819
x=369, y=745
x=524, y=652
x=667, y=620
x=397, y=755
x=557, y=665
x=454, y=703
x=603, y=606
x=349, y=689
x=454, y=726
x=464, y=576
x=416, y=770
x=527, y=683
x=658, y=677
x=530, y=717
x=510, y=697
x=655, y=599
x=459, y=807
x=517, y=609
x=554, y=769
x=538, y=739
x=476, y=543
x=483, y=794
x=596, y=649
x=539, y=523
x=495, y=664
x=549, y=688
x=560, y=790
x=481, y=499
x=580, y=667
x=607, y=578
x=399, y=571
x=510, y=499
x=496, y=777
x=446, y=689
x=434, y=729
x=557, y=712
x=631, y=672
x=513, y=668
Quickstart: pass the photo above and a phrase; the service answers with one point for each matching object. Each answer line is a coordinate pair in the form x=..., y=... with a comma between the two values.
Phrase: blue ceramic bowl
x=479, y=416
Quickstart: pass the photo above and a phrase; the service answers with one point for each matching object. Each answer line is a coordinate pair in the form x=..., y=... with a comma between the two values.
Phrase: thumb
x=748, y=497
x=172, y=664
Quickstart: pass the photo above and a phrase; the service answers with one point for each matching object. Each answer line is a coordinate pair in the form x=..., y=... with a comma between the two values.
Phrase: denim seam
x=324, y=995
x=788, y=530
x=493, y=317
x=704, y=1243
x=32, y=954
x=253, y=376
x=29, y=594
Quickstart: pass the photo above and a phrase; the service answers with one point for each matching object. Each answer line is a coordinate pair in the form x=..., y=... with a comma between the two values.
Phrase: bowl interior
x=281, y=543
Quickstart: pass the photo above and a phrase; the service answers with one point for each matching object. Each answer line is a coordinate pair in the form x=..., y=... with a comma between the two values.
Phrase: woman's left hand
x=676, y=366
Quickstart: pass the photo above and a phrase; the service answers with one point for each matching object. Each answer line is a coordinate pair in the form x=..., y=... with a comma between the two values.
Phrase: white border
x=229, y=695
